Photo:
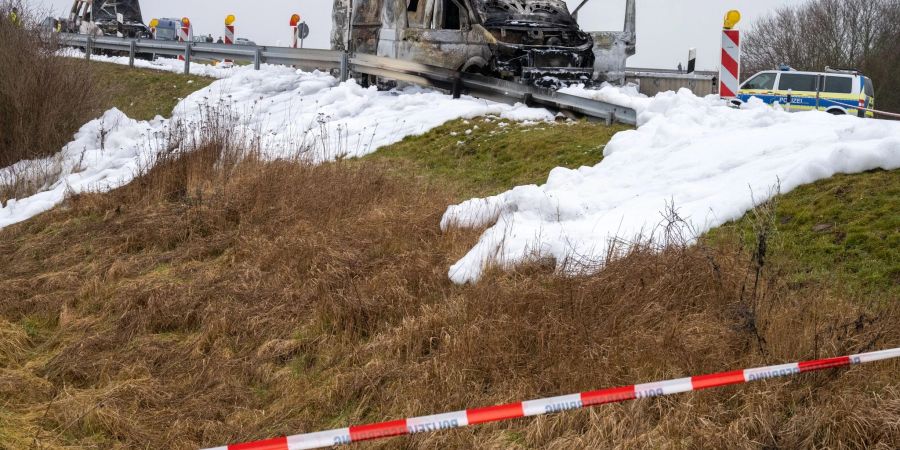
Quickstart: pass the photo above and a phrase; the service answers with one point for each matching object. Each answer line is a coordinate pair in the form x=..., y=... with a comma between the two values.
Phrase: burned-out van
x=530, y=41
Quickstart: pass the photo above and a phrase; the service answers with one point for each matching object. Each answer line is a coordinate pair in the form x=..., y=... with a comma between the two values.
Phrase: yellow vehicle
x=833, y=91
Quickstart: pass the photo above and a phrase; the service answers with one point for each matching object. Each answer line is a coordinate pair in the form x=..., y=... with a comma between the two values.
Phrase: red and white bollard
x=184, y=33
x=730, y=70
x=295, y=20
x=229, y=37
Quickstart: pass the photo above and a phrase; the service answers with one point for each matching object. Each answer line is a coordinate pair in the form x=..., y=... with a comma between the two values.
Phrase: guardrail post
x=132, y=48
x=257, y=58
x=88, y=48
x=345, y=66
x=457, y=85
x=187, y=58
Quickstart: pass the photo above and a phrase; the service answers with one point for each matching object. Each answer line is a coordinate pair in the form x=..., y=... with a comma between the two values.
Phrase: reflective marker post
x=295, y=20
x=730, y=69
x=692, y=60
x=229, y=37
x=184, y=35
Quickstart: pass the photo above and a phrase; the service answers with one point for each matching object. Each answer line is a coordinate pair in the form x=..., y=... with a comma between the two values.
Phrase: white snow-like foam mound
x=711, y=162
x=289, y=109
x=85, y=163
x=284, y=112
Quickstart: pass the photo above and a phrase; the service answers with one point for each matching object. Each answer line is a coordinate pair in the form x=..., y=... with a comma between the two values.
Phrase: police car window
x=870, y=90
x=839, y=85
x=765, y=81
x=797, y=82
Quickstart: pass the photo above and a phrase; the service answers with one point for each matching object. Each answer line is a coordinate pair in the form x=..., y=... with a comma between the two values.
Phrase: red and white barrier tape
x=476, y=416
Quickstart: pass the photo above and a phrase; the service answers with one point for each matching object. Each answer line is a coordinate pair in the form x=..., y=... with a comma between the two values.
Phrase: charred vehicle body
x=530, y=41
x=107, y=18
x=536, y=40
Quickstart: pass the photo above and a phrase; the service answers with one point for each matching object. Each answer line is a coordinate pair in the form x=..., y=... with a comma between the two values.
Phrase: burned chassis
x=529, y=41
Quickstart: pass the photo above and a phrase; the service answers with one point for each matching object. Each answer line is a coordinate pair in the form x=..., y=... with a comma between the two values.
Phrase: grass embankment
x=140, y=93
x=496, y=154
x=841, y=234
x=209, y=303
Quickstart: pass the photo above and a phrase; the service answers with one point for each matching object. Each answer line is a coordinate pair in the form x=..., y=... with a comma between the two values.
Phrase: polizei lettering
x=433, y=426
x=343, y=439
x=773, y=373
x=646, y=393
x=562, y=406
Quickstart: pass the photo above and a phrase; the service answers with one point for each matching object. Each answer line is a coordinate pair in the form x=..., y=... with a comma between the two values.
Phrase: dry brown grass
x=208, y=303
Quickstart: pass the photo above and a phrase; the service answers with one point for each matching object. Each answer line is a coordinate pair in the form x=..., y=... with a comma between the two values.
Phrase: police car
x=833, y=91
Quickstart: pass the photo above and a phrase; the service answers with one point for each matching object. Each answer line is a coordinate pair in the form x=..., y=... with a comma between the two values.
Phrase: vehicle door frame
x=798, y=94
x=837, y=102
x=436, y=45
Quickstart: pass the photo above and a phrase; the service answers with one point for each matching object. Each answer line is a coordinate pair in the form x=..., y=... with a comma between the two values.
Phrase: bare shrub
x=862, y=34
x=43, y=98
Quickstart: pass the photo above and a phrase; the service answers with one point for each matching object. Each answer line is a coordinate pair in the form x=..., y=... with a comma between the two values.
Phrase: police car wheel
x=837, y=112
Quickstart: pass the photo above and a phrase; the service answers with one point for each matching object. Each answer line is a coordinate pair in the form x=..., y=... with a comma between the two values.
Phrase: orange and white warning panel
x=730, y=68
x=457, y=419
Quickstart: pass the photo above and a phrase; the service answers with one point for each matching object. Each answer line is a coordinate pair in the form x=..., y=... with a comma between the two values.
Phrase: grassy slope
x=858, y=252
x=842, y=234
x=143, y=94
x=201, y=305
x=498, y=154
x=192, y=249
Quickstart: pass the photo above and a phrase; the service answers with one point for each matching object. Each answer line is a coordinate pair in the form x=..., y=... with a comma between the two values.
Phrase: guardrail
x=399, y=70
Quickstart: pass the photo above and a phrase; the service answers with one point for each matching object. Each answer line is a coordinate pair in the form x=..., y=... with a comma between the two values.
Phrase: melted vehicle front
x=537, y=41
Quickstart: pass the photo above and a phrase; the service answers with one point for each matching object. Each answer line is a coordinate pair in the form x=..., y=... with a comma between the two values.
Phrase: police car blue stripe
x=824, y=102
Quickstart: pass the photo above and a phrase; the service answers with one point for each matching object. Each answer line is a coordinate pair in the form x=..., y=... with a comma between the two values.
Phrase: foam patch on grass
x=282, y=112
x=710, y=162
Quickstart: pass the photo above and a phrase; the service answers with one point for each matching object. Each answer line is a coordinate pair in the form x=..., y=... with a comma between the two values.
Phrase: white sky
x=666, y=28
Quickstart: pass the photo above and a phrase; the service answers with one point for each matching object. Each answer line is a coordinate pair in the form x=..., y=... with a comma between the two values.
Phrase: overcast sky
x=666, y=28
